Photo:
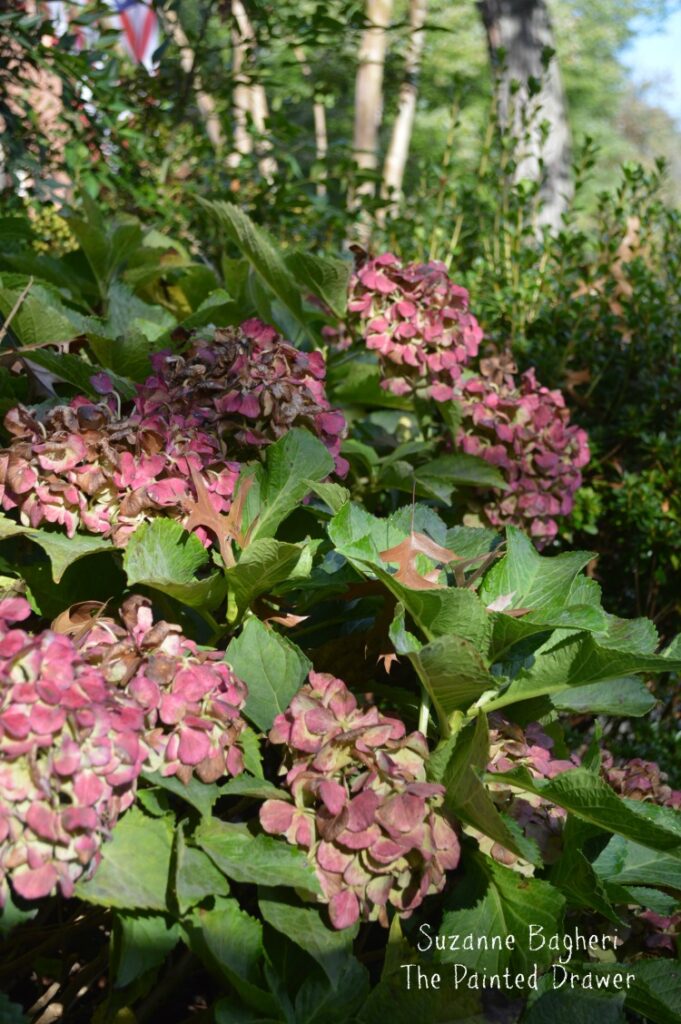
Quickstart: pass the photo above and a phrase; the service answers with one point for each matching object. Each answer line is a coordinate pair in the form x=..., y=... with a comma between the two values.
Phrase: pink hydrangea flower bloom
x=84, y=466
x=362, y=808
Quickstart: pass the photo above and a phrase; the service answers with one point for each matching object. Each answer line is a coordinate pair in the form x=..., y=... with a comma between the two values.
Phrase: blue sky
x=654, y=57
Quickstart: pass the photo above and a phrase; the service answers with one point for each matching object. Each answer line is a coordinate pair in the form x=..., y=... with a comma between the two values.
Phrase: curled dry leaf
x=405, y=553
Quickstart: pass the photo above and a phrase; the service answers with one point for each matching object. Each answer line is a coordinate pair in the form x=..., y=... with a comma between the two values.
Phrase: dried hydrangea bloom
x=362, y=808
x=643, y=780
x=81, y=716
x=71, y=749
x=416, y=320
x=524, y=431
x=87, y=466
x=191, y=699
x=539, y=820
x=640, y=780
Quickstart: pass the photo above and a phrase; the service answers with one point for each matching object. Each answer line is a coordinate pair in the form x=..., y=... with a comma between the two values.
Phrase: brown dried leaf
x=388, y=661
x=224, y=527
x=289, y=620
x=78, y=620
x=404, y=554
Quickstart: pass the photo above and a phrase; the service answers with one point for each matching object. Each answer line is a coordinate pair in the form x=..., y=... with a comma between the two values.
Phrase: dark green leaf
x=141, y=942
x=272, y=667
x=161, y=554
x=325, y=277
x=307, y=927
x=289, y=464
x=587, y=796
x=196, y=877
x=145, y=843
x=248, y=858
x=60, y=549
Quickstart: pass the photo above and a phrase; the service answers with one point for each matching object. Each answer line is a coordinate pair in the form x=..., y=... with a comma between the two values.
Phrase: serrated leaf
x=452, y=471
x=587, y=796
x=248, y=858
x=262, y=253
x=324, y=276
x=497, y=901
x=161, y=554
x=331, y=494
x=36, y=321
x=627, y=696
x=453, y=672
x=536, y=581
x=145, y=843
x=575, y=876
x=142, y=941
x=455, y=764
x=272, y=667
x=577, y=661
x=62, y=551
x=306, y=926
x=200, y=795
x=248, y=785
x=289, y=464
x=508, y=630
x=196, y=877
x=627, y=863
x=320, y=1002
x=392, y=1001
x=656, y=991
x=264, y=564
x=575, y=1006
x=229, y=941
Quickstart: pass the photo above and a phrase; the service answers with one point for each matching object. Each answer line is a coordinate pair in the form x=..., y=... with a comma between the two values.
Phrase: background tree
x=531, y=96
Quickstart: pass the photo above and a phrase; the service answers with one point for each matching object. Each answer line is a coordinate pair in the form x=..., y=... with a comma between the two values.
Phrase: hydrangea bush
x=267, y=719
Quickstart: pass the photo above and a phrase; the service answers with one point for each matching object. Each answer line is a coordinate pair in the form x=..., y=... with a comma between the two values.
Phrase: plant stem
x=424, y=711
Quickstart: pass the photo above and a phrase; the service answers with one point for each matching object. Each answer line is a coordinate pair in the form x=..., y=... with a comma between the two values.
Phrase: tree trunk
x=398, y=150
x=249, y=97
x=522, y=30
x=321, y=138
x=204, y=101
x=369, y=90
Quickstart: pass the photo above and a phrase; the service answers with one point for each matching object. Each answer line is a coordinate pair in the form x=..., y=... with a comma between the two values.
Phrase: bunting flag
x=140, y=30
x=138, y=24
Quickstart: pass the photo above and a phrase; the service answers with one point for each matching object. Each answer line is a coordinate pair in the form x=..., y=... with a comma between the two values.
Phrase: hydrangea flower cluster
x=71, y=749
x=373, y=826
x=191, y=699
x=539, y=820
x=640, y=780
x=525, y=431
x=79, y=719
x=86, y=466
x=418, y=322
x=643, y=780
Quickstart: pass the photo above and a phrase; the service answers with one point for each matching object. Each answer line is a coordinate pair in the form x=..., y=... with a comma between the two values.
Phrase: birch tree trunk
x=398, y=150
x=204, y=101
x=249, y=97
x=369, y=91
x=522, y=29
x=241, y=104
x=321, y=138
